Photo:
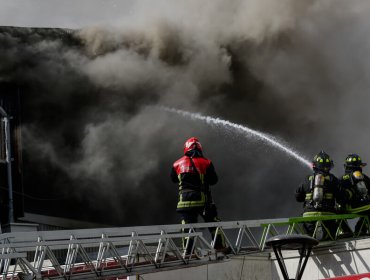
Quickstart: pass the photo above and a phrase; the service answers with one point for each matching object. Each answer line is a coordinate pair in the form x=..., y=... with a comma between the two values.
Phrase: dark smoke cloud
x=294, y=69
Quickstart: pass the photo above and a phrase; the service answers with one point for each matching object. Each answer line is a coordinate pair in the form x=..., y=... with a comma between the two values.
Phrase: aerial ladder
x=115, y=253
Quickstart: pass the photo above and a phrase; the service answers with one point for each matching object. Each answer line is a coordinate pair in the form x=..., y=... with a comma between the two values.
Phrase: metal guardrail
x=294, y=225
x=105, y=253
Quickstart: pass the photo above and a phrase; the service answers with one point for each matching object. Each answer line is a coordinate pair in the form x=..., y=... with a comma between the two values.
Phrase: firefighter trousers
x=209, y=214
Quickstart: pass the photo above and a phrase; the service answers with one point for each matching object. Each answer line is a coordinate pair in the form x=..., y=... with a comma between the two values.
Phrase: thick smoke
x=294, y=69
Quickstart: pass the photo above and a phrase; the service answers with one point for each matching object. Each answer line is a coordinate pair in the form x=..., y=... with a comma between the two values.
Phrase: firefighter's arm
x=347, y=194
x=173, y=176
x=343, y=194
x=300, y=194
x=367, y=182
x=211, y=176
x=346, y=190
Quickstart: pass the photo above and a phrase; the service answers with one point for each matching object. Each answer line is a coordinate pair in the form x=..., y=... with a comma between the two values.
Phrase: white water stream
x=240, y=129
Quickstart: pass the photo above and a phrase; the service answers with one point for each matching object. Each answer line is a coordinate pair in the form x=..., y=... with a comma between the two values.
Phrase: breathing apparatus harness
x=209, y=204
x=357, y=180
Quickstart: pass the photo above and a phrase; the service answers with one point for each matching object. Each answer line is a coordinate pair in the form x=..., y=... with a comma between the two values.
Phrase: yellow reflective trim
x=346, y=177
x=191, y=203
x=354, y=159
x=310, y=214
x=321, y=160
x=350, y=193
x=201, y=178
x=328, y=196
x=179, y=177
x=187, y=204
x=184, y=239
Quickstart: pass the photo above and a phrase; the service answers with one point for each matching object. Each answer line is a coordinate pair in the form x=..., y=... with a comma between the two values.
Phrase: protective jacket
x=194, y=176
x=330, y=192
x=358, y=200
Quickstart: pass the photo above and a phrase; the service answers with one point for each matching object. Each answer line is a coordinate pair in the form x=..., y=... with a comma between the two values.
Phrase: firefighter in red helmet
x=194, y=174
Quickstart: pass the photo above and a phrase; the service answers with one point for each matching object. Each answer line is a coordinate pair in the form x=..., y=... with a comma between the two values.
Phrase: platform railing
x=295, y=225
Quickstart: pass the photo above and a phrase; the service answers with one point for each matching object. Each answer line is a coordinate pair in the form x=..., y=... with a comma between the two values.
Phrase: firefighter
x=318, y=193
x=356, y=186
x=194, y=174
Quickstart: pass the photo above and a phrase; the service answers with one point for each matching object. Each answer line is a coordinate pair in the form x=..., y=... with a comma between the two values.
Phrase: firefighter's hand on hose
x=210, y=210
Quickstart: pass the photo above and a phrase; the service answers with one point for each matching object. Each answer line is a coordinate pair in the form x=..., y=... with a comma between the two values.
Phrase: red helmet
x=191, y=144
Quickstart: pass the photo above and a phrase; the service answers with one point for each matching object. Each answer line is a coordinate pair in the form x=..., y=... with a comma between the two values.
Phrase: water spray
x=241, y=129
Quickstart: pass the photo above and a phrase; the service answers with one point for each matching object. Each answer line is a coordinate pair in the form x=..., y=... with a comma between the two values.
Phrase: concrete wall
x=333, y=259
x=238, y=267
x=328, y=260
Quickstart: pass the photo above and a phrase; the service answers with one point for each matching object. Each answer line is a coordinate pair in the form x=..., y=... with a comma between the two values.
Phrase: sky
x=63, y=14
x=296, y=70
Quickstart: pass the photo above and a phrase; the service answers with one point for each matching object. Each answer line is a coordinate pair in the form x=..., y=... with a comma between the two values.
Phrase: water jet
x=240, y=129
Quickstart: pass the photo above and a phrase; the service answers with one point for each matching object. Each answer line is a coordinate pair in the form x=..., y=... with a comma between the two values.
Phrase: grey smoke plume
x=294, y=69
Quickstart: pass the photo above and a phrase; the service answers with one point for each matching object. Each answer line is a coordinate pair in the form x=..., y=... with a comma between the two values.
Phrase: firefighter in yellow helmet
x=357, y=189
x=319, y=192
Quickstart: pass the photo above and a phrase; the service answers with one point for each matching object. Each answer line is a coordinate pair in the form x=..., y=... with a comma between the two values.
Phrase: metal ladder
x=108, y=253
